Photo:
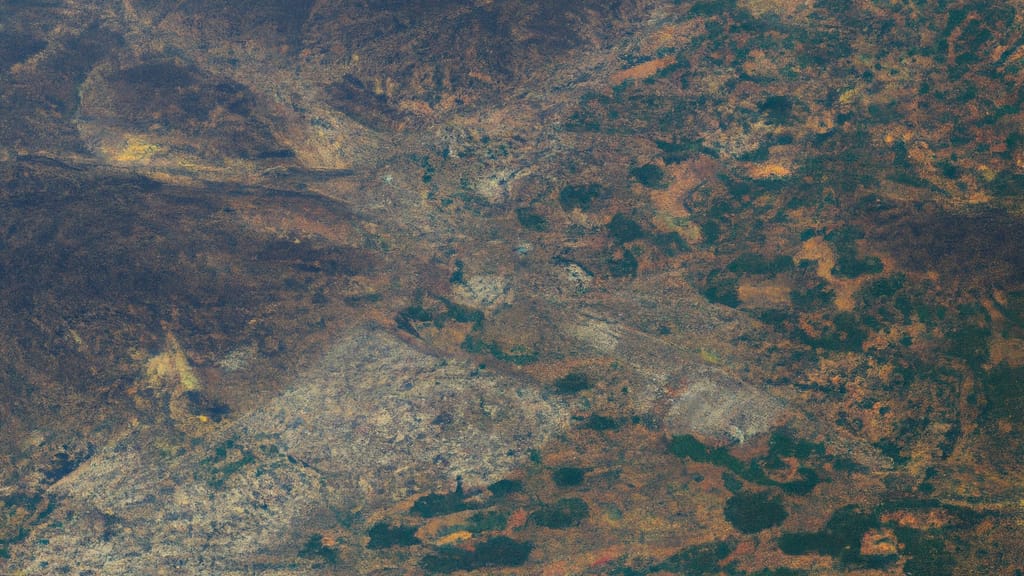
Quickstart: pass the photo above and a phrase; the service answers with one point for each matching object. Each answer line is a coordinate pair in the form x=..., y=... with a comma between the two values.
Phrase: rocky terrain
x=511, y=287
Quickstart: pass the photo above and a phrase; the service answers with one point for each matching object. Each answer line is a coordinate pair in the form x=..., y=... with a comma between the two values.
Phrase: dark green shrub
x=752, y=263
x=1003, y=387
x=675, y=151
x=598, y=422
x=498, y=551
x=711, y=230
x=722, y=289
x=783, y=443
x=670, y=243
x=502, y=551
x=315, y=548
x=650, y=175
x=531, y=220
x=384, y=536
x=927, y=553
x=491, y=520
x=846, y=334
x=882, y=288
x=840, y=538
x=571, y=197
x=505, y=487
x=970, y=342
x=848, y=262
x=697, y=559
x=441, y=504
x=623, y=266
x=778, y=109
x=572, y=383
x=568, y=476
x=751, y=512
x=565, y=513
x=624, y=229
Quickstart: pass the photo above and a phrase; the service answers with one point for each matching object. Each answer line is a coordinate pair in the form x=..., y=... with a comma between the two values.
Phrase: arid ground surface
x=634, y=287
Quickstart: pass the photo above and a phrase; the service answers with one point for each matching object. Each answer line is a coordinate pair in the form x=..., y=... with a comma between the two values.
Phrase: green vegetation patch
x=315, y=548
x=1003, y=387
x=505, y=487
x=487, y=521
x=675, y=151
x=226, y=460
x=1014, y=312
x=568, y=476
x=848, y=262
x=498, y=551
x=670, y=243
x=460, y=313
x=698, y=559
x=783, y=443
x=528, y=218
x=458, y=275
x=756, y=264
x=63, y=464
x=713, y=7
x=624, y=229
x=722, y=289
x=845, y=333
x=777, y=109
x=650, y=175
x=572, y=383
x=881, y=288
x=840, y=538
x=711, y=231
x=751, y=512
x=622, y=266
x=442, y=504
x=1007, y=184
x=970, y=342
x=571, y=197
x=517, y=355
x=926, y=553
x=688, y=447
x=384, y=536
x=812, y=298
x=565, y=513
x=417, y=314
x=414, y=317
x=599, y=422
